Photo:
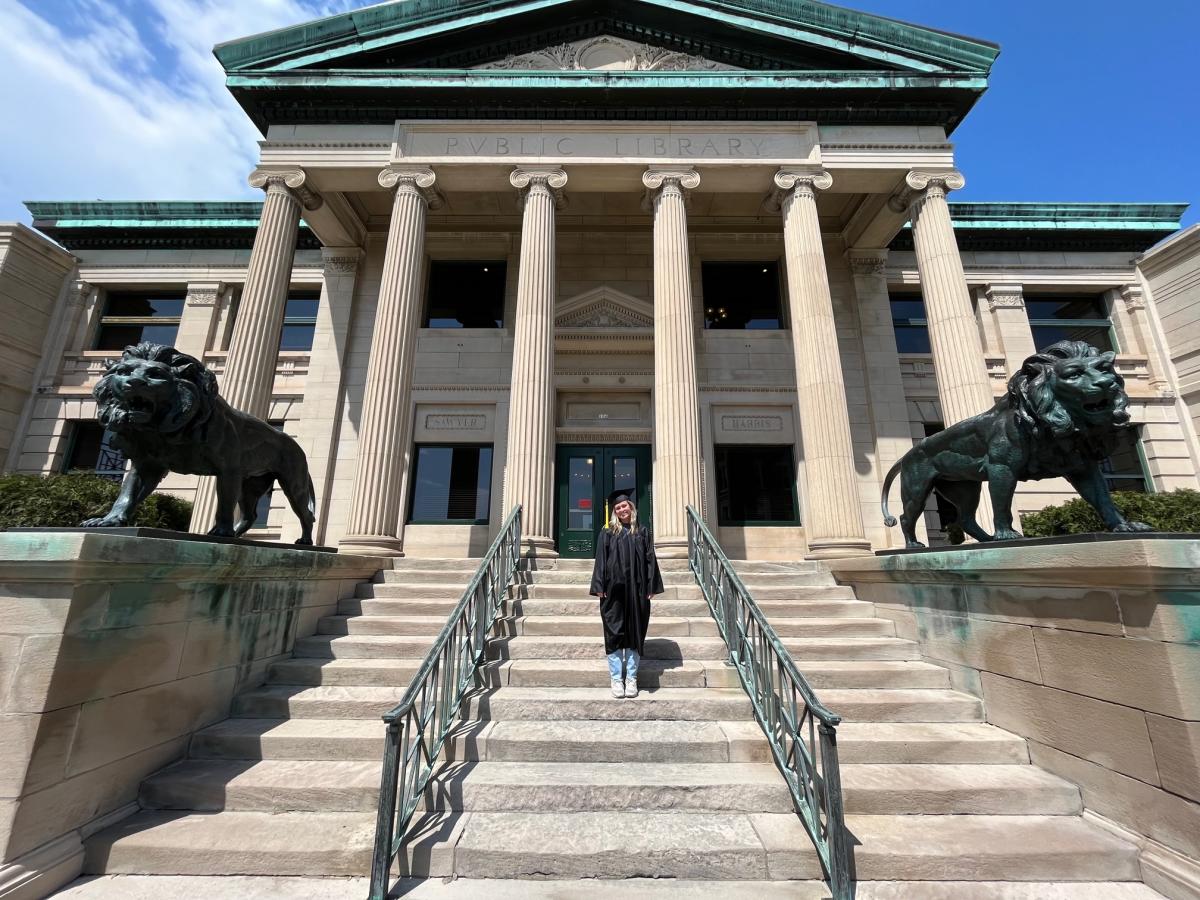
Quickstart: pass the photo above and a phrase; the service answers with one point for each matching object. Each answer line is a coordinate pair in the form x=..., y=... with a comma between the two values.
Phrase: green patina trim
x=1068, y=216
x=862, y=35
x=391, y=79
x=61, y=215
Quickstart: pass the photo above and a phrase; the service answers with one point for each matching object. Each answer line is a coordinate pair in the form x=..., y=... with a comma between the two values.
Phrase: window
x=756, y=486
x=452, y=485
x=908, y=321
x=299, y=321
x=741, y=295
x=131, y=318
x=1055, y=319
x=466, y=294
x=90, y=450
x=1124, y=469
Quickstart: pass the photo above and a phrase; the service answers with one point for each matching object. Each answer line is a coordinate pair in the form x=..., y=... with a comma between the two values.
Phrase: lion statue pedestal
x=1059, y=419
x=166, y=415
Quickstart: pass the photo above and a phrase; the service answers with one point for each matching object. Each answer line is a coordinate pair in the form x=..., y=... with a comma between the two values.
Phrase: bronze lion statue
x=164, y=410
x=1059, y=418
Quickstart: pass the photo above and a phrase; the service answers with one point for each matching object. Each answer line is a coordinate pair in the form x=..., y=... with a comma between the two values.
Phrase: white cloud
x=123, y=100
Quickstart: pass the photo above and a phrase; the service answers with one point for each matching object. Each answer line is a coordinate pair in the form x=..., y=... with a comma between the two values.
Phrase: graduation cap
x=613, y=499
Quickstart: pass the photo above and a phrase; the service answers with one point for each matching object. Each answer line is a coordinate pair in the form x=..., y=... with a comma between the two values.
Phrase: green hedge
x=63, y=501
x=1177, y=511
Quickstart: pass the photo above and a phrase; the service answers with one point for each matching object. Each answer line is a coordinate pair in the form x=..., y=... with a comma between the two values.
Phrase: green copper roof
x=1072, y=216
x=884, y=42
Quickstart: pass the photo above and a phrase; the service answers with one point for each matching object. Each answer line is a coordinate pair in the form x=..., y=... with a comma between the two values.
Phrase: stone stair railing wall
x=549, y=777
x=114, y=650
x=1091, y=652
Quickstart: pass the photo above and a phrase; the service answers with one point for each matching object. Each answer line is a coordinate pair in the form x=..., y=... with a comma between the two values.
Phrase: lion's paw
x=104, y=522
x=1007, y=534
x=1126, y=527
x=219, y=531
x=914, y=545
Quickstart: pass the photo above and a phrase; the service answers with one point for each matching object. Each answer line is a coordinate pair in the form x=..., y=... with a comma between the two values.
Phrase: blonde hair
x=614, y=524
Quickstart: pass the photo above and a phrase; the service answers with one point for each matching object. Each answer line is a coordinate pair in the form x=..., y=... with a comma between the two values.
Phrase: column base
x=838, y=548
x=371, y=545
x=671, y=547
x=538, y=547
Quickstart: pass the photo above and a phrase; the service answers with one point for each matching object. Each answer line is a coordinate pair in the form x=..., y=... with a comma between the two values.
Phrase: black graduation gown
x=626, y=572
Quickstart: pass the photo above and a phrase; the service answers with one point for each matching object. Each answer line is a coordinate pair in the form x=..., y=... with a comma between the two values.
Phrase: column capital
x=805, y=182
x=550, y=179
x=867, y=262
x=341, y=260
x=675, y=179
x=293, y=182
x=1005, y=296
x=1133, y=296
x=413, y=180
x=919, y=184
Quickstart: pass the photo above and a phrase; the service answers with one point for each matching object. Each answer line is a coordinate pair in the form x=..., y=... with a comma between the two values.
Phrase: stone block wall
x=1090, y=651
x=113, y=651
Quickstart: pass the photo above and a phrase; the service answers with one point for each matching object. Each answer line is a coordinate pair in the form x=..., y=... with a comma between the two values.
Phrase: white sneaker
x=631, y=688
x=618, y=689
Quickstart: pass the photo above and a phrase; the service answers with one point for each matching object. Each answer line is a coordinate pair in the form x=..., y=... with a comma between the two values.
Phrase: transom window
x=1125, y=469
x=466, y=294
x=910, y=324
x=756, y=485
x=741, y=295
x=90, y=450
x=1055, y=319
x=133, y=317
x=299, y=320
x=452, y=485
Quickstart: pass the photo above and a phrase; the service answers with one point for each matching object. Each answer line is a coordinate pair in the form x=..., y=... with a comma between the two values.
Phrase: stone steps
x=498, y=786
x=612, y=845
x=588, y=606
x=952, y=743
x=592, y=648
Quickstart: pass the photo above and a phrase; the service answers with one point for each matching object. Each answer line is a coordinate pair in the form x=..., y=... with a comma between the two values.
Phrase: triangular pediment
x=643, y=35
x=604, y=308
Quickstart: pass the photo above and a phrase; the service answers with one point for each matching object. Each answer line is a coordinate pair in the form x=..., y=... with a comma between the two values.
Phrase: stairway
x=549, y=777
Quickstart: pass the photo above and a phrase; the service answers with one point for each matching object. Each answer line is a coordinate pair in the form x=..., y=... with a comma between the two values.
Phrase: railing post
x=835, y=817
x=381, y=862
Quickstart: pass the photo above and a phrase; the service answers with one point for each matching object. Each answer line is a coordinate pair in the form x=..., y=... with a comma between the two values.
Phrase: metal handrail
x=785, y=705
x=418, y=725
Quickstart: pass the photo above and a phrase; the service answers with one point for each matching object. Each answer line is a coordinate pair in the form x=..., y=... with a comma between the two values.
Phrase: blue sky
x=121, y=99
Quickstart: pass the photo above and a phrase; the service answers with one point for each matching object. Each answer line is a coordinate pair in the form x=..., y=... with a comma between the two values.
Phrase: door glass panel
x=624, y=472
x=579, y=493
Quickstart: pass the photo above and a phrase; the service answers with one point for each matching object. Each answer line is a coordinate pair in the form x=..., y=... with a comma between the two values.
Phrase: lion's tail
x=888, y=519
x=312, y=497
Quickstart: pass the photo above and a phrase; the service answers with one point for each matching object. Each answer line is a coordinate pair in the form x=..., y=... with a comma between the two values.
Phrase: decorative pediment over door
x=604, y=308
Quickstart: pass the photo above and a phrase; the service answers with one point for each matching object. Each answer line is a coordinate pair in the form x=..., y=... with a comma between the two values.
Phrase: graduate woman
x=625, y=577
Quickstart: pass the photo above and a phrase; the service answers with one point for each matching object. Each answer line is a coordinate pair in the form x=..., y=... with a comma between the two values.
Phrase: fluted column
x=250, y=367
x=528, y=478
x=958, y=359
x=833, y=518
x=677, y=448
x=376, y=522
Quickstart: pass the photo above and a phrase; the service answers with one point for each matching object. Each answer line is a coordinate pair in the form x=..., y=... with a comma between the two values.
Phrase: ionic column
x=958, y=358
x=677, y=448
x=833, y=519
x=529, y=464
x=376, y=522
x=1006, y=306
x=250, y=368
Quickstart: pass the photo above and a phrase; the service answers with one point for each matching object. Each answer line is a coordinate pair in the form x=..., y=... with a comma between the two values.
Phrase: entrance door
x=585, y=476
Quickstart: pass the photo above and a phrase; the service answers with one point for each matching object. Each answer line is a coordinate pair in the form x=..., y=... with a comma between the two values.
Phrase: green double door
x=584, y=479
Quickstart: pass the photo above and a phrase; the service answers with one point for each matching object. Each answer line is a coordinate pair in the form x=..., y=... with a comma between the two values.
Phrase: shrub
x=1177, y=511
x=63, y=501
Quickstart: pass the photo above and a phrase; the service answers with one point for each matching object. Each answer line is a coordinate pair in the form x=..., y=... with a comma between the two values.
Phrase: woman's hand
x=602, y=595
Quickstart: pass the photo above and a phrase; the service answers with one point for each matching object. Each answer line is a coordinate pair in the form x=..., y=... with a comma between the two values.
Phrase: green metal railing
x=417, y=727
x=785, y=705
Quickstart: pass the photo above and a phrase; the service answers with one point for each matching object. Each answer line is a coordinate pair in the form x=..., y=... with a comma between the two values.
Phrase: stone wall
x=1091, y=651
x=113, y=651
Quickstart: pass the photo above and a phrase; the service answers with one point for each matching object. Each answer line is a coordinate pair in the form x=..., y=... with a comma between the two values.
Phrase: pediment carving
x=608, y=54
x=604, y=307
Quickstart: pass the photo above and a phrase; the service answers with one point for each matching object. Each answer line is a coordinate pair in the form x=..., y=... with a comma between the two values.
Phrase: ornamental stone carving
x=293, y=182
x=869, y=263
x=608, y=54
x=920, y=184
x=413, y=180
x=341, y=265
x=1005, y=296
x=1133, y=296
x=679, y=180
x=530, y=178
x=802, y=181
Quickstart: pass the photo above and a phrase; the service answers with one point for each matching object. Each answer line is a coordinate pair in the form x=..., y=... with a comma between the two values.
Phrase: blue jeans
x=627, y=657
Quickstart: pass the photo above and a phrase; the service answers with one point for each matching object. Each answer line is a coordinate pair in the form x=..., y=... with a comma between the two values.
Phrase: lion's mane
x=1033, y=396
x=194, y=395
